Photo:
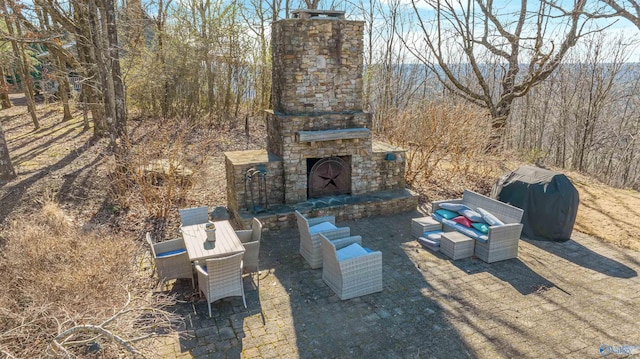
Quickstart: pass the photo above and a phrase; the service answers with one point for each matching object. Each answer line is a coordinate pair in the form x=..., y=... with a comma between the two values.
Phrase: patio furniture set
x=348, y=268
x=218, y=254
x=473, y=225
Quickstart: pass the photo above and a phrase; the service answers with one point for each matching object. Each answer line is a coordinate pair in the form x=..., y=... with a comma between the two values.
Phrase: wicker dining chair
x=250, y=239
x=194, y=215
x=220, y=278
x=171, y=259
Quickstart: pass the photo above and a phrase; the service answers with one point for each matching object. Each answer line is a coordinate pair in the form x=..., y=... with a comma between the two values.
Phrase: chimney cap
x=317, y=14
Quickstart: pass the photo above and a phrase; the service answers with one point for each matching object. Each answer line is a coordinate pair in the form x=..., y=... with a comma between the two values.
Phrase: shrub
x=446, y=147
x=58, y=277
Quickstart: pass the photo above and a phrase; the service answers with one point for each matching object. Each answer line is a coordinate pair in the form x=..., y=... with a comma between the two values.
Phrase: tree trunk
x=91, y=78
x=106, y=82
x=6, y=168
x=120, y=109
x=23, y=69
x=4, y=90
x=63, y=88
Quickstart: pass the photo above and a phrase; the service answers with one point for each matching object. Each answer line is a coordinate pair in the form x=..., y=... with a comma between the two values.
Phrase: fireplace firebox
x=328, y=176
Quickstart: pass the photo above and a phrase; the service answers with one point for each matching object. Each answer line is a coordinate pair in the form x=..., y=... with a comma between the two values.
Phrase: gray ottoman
x=456, y=245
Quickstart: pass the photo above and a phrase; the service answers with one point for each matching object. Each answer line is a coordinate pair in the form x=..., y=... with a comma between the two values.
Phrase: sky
x=507, y=12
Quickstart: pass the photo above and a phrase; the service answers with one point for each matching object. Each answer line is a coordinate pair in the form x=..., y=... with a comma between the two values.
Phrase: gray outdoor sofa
x=501, y=242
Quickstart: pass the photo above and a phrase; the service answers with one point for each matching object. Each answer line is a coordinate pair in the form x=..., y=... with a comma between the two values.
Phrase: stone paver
x=567, y=299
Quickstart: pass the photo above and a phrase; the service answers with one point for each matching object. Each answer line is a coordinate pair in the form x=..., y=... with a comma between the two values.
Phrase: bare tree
x=628, y=9
x=14, y=31
x=518, y=46
x=312, y=4
x=4, y=90
x=6, y=168
x=5, y=60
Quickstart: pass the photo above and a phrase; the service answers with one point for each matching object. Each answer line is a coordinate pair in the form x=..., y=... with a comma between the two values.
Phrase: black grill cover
x=549, y=200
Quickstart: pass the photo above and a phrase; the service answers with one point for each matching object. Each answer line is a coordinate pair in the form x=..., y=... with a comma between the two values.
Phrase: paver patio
x=569, y=299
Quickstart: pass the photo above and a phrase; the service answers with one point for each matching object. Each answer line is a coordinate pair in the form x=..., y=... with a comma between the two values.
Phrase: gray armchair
x=310, y=229
x=351, y=271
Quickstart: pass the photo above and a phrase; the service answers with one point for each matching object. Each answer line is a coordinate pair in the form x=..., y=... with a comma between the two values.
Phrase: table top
x=198, y=248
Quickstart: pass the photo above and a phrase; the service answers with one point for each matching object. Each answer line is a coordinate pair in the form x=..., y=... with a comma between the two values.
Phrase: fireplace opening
x=329, y=176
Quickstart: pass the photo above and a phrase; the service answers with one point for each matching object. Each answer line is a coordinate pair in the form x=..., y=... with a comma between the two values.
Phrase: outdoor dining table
x=198, y=248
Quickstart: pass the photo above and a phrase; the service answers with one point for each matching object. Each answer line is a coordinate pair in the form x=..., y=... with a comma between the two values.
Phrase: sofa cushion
x=463, y=221
x=490, y=218
x=471, y=215
x=322, y=227
x=433, y=235
x=455, y=207
x=470, y=232
x=445, y=213
x=427, y=243
x=482, y=227
x=351, y=251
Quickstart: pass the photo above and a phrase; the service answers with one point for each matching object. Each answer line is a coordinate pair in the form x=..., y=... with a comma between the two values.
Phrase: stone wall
x=237, y=163
x=389, y=202
x=317, y=65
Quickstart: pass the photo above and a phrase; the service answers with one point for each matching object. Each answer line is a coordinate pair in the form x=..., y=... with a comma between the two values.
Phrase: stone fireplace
x=320, y=155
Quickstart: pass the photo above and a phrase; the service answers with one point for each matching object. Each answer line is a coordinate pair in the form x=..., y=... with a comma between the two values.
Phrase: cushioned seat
x=322, y=227
x=349, y=269
x=310, y=228
x=351, y=251
x=169, y=253
x=171, y=259
x=500, y=242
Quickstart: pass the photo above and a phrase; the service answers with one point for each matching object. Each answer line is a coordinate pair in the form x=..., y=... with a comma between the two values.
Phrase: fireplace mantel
x=332, y=135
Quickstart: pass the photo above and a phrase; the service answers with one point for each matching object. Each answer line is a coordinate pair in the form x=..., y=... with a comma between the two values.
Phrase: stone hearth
x=320, y=155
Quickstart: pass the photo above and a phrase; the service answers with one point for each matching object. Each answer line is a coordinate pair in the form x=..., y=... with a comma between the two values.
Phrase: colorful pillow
x=456, y=207
x=482, y=227
x=470, y=232
x=447, y=214
x=490, y=218
x=463, y=221
x=472, y=215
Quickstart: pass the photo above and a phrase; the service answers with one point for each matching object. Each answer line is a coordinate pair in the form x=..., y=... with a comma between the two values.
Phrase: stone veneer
x=317, y=113
x=317, y=65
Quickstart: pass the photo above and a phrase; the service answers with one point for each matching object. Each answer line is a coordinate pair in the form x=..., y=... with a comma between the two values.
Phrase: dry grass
x=161, y=167
x=57, y=277
x=611, y=214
